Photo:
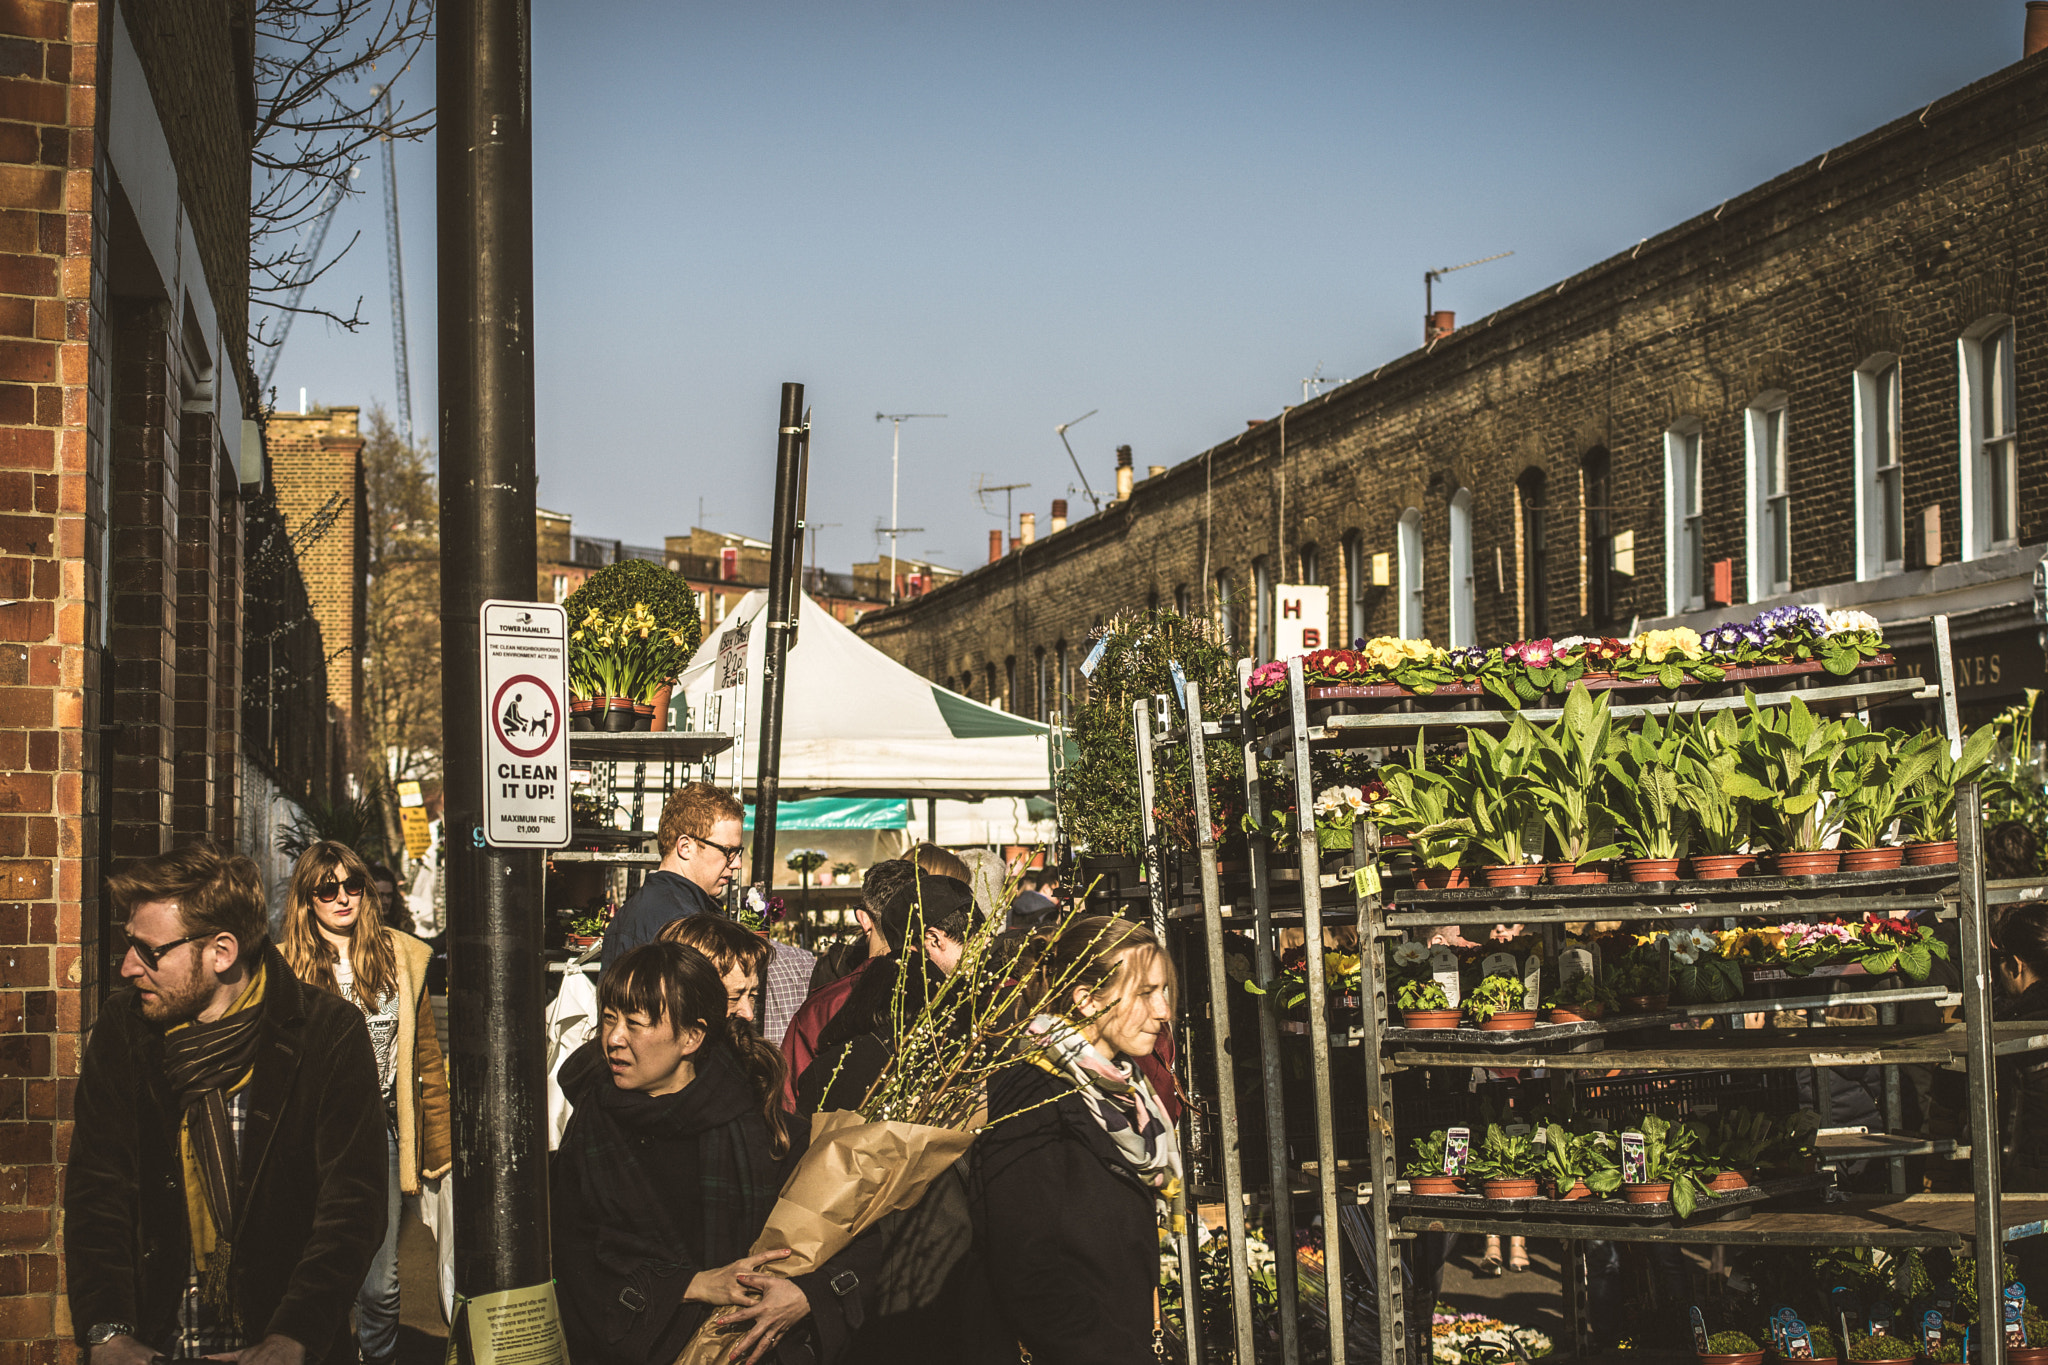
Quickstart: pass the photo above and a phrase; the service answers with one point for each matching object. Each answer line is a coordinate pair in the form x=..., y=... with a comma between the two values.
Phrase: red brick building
x=316, y=462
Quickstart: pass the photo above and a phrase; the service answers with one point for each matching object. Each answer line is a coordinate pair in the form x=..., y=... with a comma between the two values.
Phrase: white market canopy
x=857, y=723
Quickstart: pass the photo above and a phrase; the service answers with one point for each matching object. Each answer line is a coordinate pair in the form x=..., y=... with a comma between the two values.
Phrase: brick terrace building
x=127, y=469
x=316, y=461
x=1829, y=389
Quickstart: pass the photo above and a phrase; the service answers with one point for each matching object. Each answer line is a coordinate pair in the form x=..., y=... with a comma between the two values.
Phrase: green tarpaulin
x=826, y=812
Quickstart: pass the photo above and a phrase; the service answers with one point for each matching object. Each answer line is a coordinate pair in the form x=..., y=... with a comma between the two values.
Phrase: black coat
x=313, y=1174
x=1065, y=1231
x=2023, y=1096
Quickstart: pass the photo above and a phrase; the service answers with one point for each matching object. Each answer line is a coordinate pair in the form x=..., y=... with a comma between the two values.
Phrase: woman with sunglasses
x=335, y=938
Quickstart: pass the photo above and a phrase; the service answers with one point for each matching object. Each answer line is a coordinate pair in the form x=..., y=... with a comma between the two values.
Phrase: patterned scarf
x=205, y=1063
x=1118, y=1098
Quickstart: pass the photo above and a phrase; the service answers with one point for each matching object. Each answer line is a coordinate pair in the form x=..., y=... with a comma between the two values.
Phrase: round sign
x=527, y=721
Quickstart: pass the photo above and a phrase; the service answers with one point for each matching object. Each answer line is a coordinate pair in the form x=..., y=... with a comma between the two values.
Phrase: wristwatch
x=100, y=1333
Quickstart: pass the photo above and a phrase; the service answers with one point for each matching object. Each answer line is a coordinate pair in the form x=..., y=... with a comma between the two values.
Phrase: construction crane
x=307, y=271
x=397, y=262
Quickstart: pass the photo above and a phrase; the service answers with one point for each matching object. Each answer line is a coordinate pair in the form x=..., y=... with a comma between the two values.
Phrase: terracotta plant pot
x=1872, y=859
x=2026, y=1355
x=1930, y=855
x=1564, y=874
x=1656, y=1192
x=1442, y=878
x=1509, y=1021
x=1728, y=1180
x=1824, y=1360
x=1435, y=1184
x=580, y=941
x=1809, y=863
x=1575, y=1014
x=1644, y=1004
x=1432, y=1018
x=1577, y=1191
x=1718, y=867
x=1738, y=1358
x=1511, y=874
x=1652, y=869
x=661, y=701
x=579, y=714
x=1510, y=1189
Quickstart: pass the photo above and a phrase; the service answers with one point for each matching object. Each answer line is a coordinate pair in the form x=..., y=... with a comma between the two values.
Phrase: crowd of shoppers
x=251, y=1115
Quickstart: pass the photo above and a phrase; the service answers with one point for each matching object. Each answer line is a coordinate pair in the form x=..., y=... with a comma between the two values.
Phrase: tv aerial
x=983, y=489
x=1061, y=432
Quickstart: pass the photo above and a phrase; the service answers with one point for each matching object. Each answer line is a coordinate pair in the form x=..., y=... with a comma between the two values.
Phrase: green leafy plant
x=1950, y=1352
x=1503, y=804
x=633, y=626
x=1506, y=1156
x=1866, y=1346
x=1674, y=1151
x=1642, y=970
x=1571, y=755
x=1570, y=1158
x=1737, y=1139
x=844, y=869
x=805, y=860
x=1426, y=1156
x=1497, y=994
x=1732, y=1344
x=1823, y=1340
x=1699, y=974
x=1709, y=750
x=1423, y=993
x=591, y=924
x=1900, y=945
x=1789, y=762
x=1876, y=790
x=1422, y=805
x=1642, y=791
x=1584, y=993
x=1933, y=801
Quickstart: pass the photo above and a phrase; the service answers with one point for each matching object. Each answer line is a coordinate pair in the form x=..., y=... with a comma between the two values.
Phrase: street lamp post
x=896, y=420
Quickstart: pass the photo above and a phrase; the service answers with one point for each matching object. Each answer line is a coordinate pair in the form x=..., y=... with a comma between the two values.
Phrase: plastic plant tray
x=1595, y=1212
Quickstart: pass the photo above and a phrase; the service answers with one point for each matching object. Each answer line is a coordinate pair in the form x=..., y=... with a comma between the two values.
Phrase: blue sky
x=1013, y=214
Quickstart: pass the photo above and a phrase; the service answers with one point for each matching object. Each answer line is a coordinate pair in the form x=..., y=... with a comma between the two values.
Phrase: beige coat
x=425, y=1147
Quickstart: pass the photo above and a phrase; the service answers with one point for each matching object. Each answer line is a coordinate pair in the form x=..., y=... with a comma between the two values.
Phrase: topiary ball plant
x=1865, y=1346
x=1732, y=1344
x=601, y=654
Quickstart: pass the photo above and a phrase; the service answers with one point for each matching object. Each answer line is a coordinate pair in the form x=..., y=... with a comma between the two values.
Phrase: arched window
x=1038, y=689
x=1311, y=565
x=1880, y=472
x=992, y=699
x=1262, y=605
x=1226, y=612
x=1408, y=549
x=1685, y=534
x=1535, y=556
x=1152, y=600
x=1180, y=598
x=1062, y=680
x=1354, y=587
x=1990, y=438
x=1770, y=498
x=1010, y=683
x=1464, y=601
x=1596, y=490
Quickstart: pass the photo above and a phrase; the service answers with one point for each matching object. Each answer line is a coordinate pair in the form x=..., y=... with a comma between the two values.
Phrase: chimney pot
x=1153, y=471
x=995, y=545
x=2037, y=28
x=1441, y=324
x=1059, y=515
x=1123, y=457
x=1123, y=481
x=1027, y=527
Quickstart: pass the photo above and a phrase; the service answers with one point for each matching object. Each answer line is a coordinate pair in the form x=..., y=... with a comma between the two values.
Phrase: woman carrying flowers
x=1078, y=1172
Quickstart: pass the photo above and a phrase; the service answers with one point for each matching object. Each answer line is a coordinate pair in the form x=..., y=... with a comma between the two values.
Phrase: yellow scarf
x=210, y=1249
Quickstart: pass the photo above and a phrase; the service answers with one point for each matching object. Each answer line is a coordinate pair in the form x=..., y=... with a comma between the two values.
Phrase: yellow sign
x=409, y=795
x=419, y=835
x=516, y=1327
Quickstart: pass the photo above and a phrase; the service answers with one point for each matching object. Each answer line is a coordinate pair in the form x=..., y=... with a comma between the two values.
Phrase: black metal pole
x=484, y=173
x=778, y=615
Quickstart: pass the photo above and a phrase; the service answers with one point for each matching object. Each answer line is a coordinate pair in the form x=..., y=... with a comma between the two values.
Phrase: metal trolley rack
x=628, y=769
x=1280, y=1185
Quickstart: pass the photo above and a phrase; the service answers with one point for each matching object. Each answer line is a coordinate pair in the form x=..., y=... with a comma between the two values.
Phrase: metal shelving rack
x=1390, y=1215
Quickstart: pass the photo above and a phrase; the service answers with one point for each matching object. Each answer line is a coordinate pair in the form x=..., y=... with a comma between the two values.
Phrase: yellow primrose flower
x=1656, y=646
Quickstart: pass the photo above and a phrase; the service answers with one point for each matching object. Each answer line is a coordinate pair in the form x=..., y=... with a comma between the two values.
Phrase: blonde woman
x=335, y=938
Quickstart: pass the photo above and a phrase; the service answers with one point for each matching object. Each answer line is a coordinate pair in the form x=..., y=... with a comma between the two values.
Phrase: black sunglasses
x=153, y=956
x=329, y=889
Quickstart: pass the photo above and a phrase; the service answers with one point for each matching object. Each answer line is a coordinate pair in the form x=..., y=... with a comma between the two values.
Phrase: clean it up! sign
x=526, y=724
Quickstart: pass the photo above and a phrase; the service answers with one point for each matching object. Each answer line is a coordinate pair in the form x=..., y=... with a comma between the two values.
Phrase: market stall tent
x=857, y=723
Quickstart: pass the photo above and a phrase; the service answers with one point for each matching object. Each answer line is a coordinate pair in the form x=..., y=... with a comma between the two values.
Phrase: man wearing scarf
x=226, y=1186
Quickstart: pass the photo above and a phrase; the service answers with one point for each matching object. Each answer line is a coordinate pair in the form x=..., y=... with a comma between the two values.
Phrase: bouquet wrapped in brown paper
x=916, y=1120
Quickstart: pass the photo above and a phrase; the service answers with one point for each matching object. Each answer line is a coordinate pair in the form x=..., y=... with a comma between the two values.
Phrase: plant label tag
x=2015, y=1315
x=1776, y=1326
x=1532, y=983
x=1457, y=1150
x=1094, y=659
x=1443, y=968
x=1498, y=964
x=1515, y=1129
x=1799, y=1343
x=1930, y=1330
x=1635, y=1159
x=1540, y=1137
x=1574, y=963
x=1880, y=1318
x=1365, y=882
x=1699, y=1330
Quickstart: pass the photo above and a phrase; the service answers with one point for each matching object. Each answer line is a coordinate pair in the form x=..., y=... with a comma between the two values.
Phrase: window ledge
x=2001, y=577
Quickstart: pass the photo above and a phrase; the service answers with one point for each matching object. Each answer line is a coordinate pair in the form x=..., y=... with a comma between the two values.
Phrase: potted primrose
x=1579, y=1165
x=1424, y=1004
x=1642, y=790
x=1497, y=1004
x=1581, y=1000
x=1507, y=1164
x=1931, y=818
x=1425, y=1171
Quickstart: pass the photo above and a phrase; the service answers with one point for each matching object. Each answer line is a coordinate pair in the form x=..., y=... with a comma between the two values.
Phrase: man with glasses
x=700, y=838
x=225, y=1191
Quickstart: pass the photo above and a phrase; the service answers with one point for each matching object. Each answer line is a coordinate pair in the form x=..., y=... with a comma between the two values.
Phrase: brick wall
x=1895, y=243
x=317, y=463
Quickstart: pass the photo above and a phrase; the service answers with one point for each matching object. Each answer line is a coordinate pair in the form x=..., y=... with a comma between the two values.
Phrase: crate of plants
x=1870, y=944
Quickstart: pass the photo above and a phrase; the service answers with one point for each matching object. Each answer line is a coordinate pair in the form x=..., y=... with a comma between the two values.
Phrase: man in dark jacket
x=226, y=1186
x=700, y=836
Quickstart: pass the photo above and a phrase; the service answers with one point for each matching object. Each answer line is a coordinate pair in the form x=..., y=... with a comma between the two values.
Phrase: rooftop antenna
x=1315, y=381
x=896, y=420
x=1429, y=279
x=1061, y=432
x=982, y=488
